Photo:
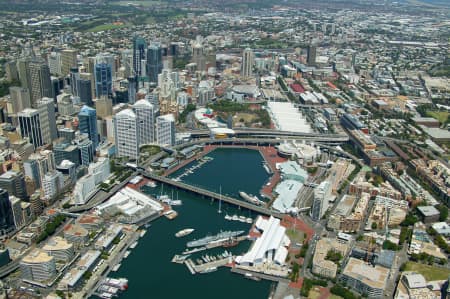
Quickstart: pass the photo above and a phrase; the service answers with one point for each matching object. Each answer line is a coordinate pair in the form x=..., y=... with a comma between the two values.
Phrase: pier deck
x=260, y=275
x=193, y=268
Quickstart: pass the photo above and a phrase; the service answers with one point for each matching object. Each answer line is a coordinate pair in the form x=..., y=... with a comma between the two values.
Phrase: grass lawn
x=313, y=294
x=295, y=236
x=150, y=149
x=105, y=27
x=333, y=296
x=429, y=272
x=247, y=117
x=441, y=116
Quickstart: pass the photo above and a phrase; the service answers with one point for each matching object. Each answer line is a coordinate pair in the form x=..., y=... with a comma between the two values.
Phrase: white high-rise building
x=145, y=113
x=54, y=63
x=83, y=189
x=165, y=130
x=247, y=63
x=52, y=184
x=100, y=170
x=322, y=194
x=126, y=134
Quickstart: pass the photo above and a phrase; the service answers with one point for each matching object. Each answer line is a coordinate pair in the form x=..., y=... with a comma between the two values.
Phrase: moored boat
x=184, y=232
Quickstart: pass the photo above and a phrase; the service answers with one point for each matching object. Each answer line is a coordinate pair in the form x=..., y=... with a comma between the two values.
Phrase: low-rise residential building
x=72, y=278
x=76, y=234
x=429, y=214
x=60, y=249
x=321, y=265
x=364, y=278
x=38, y=266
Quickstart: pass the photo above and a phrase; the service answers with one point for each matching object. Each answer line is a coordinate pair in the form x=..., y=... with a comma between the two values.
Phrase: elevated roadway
x=251, y=132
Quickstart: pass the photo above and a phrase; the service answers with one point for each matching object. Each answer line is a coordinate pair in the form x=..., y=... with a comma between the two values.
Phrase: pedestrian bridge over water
x=210, y=194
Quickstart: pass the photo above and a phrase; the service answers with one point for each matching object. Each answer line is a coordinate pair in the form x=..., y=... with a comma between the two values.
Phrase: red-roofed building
x=297, y=88
x=331, y=85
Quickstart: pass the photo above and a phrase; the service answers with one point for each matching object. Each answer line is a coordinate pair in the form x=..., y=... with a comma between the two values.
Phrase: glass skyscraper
x=88, y=124
x=103, y=79
x=6, y=214
x=154, y=61
x=139, y=47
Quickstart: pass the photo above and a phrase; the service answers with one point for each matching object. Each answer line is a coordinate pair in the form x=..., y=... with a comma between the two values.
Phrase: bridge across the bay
x=213, y=195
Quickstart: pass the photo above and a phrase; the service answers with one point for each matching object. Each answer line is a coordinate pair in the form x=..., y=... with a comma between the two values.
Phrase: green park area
x=105, y=27
x=429, y=272
x=441, y=116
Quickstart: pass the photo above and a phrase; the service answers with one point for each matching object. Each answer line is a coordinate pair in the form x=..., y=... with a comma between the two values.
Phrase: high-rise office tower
x=139, y=48
x=17, y=211
x=198, y=56
x=132, y=89
x=67, y=134
x=173, y=49
x=57, y=86
x=68, y=61
x=6, y=214
x=74, y=78
x=247, y=63
x=41, y=84
x=46, y=108
x=30, y=126
x=126, y=134
x=154, y=61
x=127, y=62
x=54, y=63
x=31, y=169
x=88, y=124
x=103, y=106
x=311, y=55
x=103, y=79
x=24, y=74
x=165, y=130
x=20, y=99
x=322, y=195
x=145, y=114
x=11, y=71
x=86, y=149
x=14, y=183
x=85, y=91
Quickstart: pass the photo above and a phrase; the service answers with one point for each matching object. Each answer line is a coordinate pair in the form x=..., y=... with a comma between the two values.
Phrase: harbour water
x=149, y=269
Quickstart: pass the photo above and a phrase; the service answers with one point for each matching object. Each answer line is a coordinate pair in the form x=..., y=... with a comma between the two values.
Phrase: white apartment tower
x=126, y=134
x=322, y=195
x=165, y=130
x=145, y=113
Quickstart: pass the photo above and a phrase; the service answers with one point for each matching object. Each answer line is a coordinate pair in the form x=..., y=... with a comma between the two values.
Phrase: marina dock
x=193, y=268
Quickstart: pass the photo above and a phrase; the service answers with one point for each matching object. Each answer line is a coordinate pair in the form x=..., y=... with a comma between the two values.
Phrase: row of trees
x=51, y=227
